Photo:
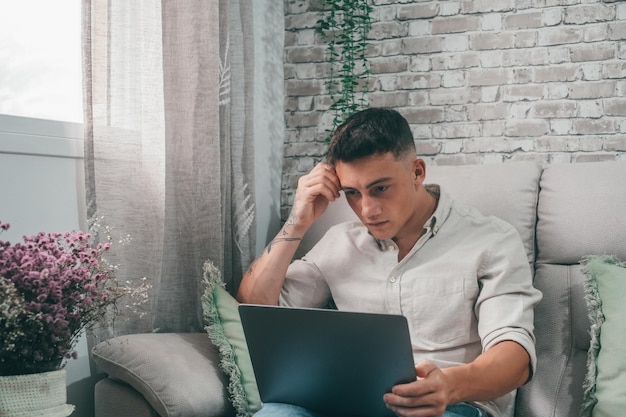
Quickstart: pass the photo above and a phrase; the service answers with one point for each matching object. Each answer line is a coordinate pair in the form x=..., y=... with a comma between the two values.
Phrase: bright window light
x=40, y=59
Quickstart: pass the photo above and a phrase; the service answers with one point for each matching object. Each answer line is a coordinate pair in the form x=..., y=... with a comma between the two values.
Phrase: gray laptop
x=334, y=362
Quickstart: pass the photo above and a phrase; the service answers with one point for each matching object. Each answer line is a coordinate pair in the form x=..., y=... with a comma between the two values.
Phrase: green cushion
x=223, y=325
x=605, y=382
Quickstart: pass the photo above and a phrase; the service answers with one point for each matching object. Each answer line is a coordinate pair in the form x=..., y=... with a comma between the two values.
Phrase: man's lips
x=376, y=224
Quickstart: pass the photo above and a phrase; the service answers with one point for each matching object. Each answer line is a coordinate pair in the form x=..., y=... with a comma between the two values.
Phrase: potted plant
x=53, y=286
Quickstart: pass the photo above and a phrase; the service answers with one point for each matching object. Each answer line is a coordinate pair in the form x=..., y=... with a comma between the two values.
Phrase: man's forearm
x=263, y=281
x=496, y=372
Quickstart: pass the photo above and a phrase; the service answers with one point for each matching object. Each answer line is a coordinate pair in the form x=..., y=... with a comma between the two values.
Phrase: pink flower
x=61, y=285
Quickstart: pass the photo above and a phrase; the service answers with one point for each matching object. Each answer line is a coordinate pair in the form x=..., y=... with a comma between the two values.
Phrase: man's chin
x=379, y=234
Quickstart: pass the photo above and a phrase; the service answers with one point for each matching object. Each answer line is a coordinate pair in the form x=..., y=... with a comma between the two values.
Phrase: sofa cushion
x=176, y=372
x=223, y=325
x=605, y=382
x=581, y=211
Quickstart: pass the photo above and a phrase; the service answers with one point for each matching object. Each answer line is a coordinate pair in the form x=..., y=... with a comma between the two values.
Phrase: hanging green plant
x=344, y=26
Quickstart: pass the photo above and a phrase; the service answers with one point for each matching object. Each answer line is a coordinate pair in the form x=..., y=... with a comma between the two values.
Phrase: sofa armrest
x=176, y=373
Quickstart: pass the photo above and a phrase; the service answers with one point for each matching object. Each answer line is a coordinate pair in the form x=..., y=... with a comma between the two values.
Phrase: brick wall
x=480, y=81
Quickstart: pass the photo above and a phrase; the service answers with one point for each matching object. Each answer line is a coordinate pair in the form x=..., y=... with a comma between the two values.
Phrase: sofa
x=563, y=212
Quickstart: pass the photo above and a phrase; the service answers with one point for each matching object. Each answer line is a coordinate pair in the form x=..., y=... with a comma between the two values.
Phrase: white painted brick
x=421, y=131
x=620, y=11
x=522, y=92
x=418, y=98
x=593, y=126
x=305, y=103
x=524, y=57
x=453, y=79
x=556, y=91
x=519, y=110
x=592, y=90
x=420, y=64
x=486, y=6
x=492, y=158
x=490, y=94
x=427, y=147
x=615, y=70
x=617, y=30
x=388, y=82
x=592, y=72
x=454, y=96
x=455, y=43
x=526, y=39
x=552, y=17
x=597, y=12
x=590, y=144
x=451, y=145
x=455, y=113
x=594, y=33
x=306, y=37
x=491, y=59
x=455, y=61
x=560, y=126
x=449, y=8
x=560, y=36
x=493, y=128
x=391, y=47
x=558, y=55
x=419, y=28
x=554, y=109
x=385, y=13
x=560, y=158
x=491, y=21
x=306, y=71
x=456, y=130
x=487, y=111
x=526, y=128
x=620, y=88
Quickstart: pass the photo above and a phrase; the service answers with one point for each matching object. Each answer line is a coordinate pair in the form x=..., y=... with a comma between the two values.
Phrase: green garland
x=344, y=25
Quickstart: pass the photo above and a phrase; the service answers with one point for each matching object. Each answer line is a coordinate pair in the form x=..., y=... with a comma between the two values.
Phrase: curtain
x=169, y=147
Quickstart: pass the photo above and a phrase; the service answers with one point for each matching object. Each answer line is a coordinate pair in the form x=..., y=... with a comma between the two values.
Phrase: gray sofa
x=563, y=212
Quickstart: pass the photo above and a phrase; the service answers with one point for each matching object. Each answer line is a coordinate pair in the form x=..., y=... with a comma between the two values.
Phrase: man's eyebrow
x=371, y=184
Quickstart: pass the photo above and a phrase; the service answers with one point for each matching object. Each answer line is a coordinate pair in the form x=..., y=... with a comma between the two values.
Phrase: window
x=40, y=59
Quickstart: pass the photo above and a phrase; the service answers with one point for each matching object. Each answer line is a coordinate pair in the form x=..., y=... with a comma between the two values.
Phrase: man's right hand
x=315, y=191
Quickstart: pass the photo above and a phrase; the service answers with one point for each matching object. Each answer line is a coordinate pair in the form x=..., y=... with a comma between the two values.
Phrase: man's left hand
x=427, y=396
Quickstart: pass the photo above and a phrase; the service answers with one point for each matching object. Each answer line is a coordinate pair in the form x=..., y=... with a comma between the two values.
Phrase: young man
x=461, y=279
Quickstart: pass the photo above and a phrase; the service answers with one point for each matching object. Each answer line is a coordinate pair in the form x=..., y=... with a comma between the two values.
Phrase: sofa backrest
x=580, y=212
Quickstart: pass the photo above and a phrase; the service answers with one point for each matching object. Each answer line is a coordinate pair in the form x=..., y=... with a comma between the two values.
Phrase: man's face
x=382, y=191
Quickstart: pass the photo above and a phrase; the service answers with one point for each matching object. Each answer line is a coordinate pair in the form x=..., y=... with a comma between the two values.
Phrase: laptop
x=333, y=362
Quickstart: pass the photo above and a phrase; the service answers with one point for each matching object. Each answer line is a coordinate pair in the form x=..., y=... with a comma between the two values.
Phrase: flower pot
x=34, y=395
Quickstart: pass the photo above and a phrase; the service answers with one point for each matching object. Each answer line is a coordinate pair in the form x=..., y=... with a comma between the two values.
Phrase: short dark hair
x=370, y=132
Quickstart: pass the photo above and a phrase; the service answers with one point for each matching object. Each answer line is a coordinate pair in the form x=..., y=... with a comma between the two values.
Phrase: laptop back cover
x=330, y=361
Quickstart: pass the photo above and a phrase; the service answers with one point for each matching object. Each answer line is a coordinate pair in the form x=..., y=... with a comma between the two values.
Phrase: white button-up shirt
x=465, y=286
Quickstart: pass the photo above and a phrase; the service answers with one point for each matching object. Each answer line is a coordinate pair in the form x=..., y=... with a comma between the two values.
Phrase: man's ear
x=419, y=171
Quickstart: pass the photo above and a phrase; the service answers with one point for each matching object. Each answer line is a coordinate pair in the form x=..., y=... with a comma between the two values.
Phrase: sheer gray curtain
x=168, y=145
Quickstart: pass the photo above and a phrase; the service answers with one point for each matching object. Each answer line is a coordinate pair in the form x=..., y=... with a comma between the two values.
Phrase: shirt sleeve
x=304, y=286
x=505, y=305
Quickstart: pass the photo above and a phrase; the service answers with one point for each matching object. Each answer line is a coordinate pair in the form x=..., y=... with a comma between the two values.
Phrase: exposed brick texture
x=480, y=81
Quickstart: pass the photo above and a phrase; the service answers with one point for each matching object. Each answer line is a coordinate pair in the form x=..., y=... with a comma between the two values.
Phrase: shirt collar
x=436, y=220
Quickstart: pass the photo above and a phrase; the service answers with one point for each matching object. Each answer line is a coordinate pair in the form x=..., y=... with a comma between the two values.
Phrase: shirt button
x=391, y=248
x=392, y=279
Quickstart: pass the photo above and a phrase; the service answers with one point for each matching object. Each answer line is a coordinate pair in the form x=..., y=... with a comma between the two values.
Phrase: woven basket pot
x=34, y=395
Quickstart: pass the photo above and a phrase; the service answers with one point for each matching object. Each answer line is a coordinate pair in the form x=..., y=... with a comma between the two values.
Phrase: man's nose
x=369, y=207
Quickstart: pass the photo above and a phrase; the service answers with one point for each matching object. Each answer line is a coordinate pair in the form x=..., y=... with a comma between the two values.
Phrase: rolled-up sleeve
x=505, y=305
